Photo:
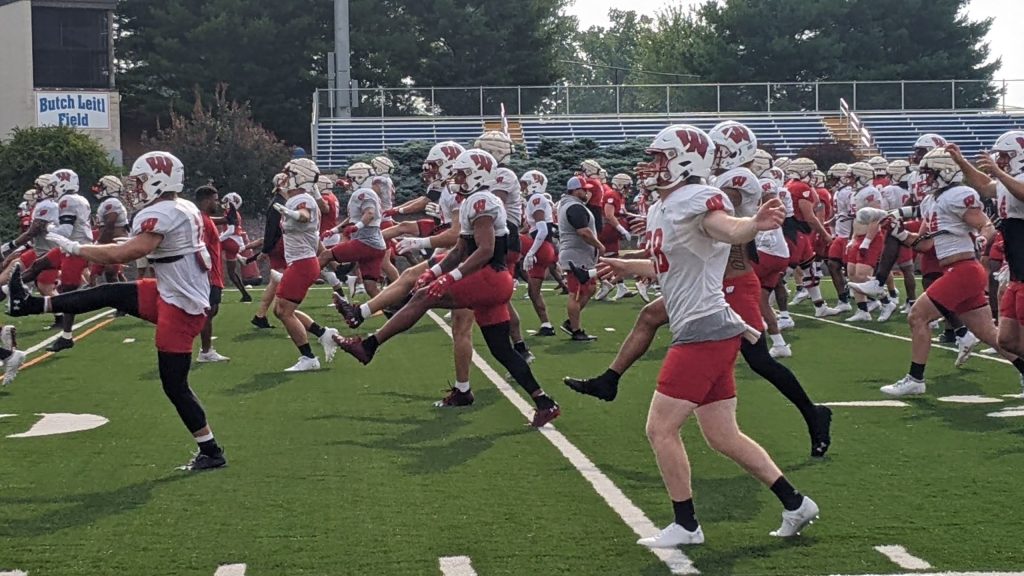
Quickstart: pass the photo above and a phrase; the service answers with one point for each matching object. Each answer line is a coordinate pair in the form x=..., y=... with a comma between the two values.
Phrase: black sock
x=371, y=344
x=862, y=306
x=520, y=347
x=844, y=296
x=685, y=515
x=497, y=338
x=960, y=332
x=306, y=351
x=5, y=353
x=610, y=375
x=917, y=370
x=790, y=497
x=778, y=375
x=893, y=294
x=948, y=334
x=1019, y=365
x=210, y=447
x=316, y=329
x=542, y=401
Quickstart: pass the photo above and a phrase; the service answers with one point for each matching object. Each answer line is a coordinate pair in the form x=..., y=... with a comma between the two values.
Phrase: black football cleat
x=601, y=387
x=566, y=327
x=19, y=301
x=260, y=322
x=352, y=314
x=354, y=347
x=544, y=415
x=246, y=298
x=61, y=343
x=200, y=462
x=581, y=336
x=821, y=432
x=546, y=331
x=455, y=398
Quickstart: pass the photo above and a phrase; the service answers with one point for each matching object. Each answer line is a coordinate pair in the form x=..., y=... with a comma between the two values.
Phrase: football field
x=351, y=470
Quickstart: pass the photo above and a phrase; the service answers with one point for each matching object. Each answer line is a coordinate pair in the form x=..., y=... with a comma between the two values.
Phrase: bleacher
x=895, y=132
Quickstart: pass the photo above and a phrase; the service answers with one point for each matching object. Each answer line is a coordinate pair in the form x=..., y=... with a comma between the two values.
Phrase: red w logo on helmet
x=693, y=141
x=450, y=152
x=63, y=175
x=160, y=164
x=482, y=161
x=738, y=134
x=1020, y=141
x=538, y=177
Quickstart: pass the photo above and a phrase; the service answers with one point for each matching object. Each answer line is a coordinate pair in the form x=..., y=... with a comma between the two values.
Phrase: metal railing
x=668, y=99
x=854, y=126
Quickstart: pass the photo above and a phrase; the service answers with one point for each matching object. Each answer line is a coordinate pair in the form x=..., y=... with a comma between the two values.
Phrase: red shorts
x=574, y=285
x=819, y=246
x=387, y=223
x=961, y=287
x=874, y=252
x=71, y=269
x=229, y=248
x=907, y=254
x=769, y=269
x=276, y=257
x=426, y=227
x=487, y=292
x=546, y=257
x=98, y=269
x=368, y=258
x=700, y=373
x=297, y=279
x=176, y=329
x=1011, y=305
x=837, y=249
x=28, y=257
x=743, y=294
x=511, y=259
x=801, y=250
x=929, y=263
x=997, y=249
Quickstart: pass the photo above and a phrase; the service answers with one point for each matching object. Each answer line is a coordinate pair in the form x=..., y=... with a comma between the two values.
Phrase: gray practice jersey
x=571, y=246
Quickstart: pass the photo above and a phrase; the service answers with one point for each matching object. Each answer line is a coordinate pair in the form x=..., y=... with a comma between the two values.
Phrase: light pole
x=342, y=61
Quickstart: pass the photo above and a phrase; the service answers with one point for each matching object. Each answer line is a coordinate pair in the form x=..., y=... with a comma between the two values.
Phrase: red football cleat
x=455, y=398
x=353, y=317
x=354, y=346
x=543, y=416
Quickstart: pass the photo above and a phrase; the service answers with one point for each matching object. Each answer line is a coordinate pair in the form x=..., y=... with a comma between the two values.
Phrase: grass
x=351, y=471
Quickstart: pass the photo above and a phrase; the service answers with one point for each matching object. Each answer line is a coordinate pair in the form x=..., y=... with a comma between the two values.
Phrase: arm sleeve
x=542, y=235
x=272, y=229
x=578, y=216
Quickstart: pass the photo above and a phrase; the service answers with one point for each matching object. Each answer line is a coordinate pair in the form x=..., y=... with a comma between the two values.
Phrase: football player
x=868, y=239
x=805, y=199
x=113, y=223
x=538, y=244
x=270, y=246
x=208, y=203
x=232, y=239
x=578, y=246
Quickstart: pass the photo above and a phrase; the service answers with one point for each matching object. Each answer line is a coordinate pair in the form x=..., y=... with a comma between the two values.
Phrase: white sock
x=777, y=340
x=462, y=386
x=364, y=309
x=351, y=281
x=546, y=325
x=67, y=335
x=784, y=314
x=330, y=277
x=815, y=293
x=204, y=438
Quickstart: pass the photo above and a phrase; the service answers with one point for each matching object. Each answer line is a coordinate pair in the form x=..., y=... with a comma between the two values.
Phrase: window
x=70, y=48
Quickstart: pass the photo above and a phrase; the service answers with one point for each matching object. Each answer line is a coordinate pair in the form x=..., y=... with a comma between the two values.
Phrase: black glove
x=581, y=274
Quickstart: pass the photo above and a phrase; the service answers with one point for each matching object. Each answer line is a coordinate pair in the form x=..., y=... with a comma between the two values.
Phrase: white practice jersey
x=514, y=207
x=867, y=196
x=109, y=206
x=45, y=210
x=301, y=239
x=893, y=197
x=478, y=204
x=74, y=218
x=387, y=200
x=772, y=242
x=690, y=264
x=787, y=200
x=360, y=201
x=916, y=185
x=945, y=213
x=749, y=186
x=182, y=280
x=448, y=204
x=1009, y=205
x=538, y=202
x=843, y=200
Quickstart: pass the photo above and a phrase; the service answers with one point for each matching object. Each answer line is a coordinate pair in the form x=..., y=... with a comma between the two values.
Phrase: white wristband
x=360, y=225
x=436, y=269
x=456, y=274
x=621, y=230
x=865, y=243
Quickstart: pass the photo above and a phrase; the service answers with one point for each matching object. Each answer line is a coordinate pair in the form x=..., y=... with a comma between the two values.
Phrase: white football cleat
x=824, y=311
x=906, y=386
x=935, y=325
x=860, y=316
x=211, y=356
x=869, y=288
x=990, y=351
x=622, y=292
x=873, y=305
x=780, y=351
x=360, y=291
x=8, y=337
x=12, y=365
x=800, y=296
x=965, y=346
x=887, y=311
x=793, y=521
x=905, y=309
x=304, y=364
x=673, y=535
x=330, y=346
x=843, y=307
x=602, y=293
x=641, y=290
x=786, y=324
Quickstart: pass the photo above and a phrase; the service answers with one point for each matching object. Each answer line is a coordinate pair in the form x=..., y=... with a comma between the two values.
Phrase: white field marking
x=609, y=329
x=1017, y=396
x=7, y=415
x=902, y=558
x=634, y=517
x=1015, y=412
x=456, y=566
x=14, y=573
x=53, y=338
x=52, y=424
x=128, y=341
x=999, y=359
x=230, y=570
x=870, y=404
x=969, y=399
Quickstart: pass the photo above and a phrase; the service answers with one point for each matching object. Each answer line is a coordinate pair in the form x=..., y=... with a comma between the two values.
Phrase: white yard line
x=902, y=558
x=456, y=566
x=47, y=342
x=230, y=570
x=633, y=516
x=870, y=404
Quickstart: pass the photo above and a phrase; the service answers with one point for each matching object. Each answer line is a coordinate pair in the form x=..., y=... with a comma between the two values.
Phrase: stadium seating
x=895, y=132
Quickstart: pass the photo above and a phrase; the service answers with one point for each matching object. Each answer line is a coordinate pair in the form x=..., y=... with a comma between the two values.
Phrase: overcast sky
x=1005, y=38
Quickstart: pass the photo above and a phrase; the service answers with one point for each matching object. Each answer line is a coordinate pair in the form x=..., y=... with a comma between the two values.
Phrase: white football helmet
x=621, y=182
x=939, y=169
x=473, y=170
x=859, y=175
x=46, y=186
x=232, y=199
x=879, y=165
x=153, y=174
x=29, y=197
x=801, y=169
x=762, y=161
x=925, y=144
x=280, y=180
x=497, y=144
x=535, y=182
x=302, y=173
x=67, y=181
x=1009, y=151
x=899, y=170
x=505, y=181
x=782, y=162
x=590, y=168
x=359, y=173
x=778, y=175
x=817, y=179
x=438, y=164
x=735, y=145
x=108, y=186
x=680, y=151
x=838, y=170
x=382, y=185
x=382, y=166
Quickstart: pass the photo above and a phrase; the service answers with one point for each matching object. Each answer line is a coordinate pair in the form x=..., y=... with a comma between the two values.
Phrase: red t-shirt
x=825, y=198
x=212, y=240
x=596, y=193
x=329, y=219
x=801, y=191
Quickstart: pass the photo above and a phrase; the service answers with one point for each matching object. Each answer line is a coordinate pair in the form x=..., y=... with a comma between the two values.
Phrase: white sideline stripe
x=902, y=558
x=53, y=338
x=999, y=359
x=14, y=573
x=230, y=570
x=456, y=566
x=633, y=516
x=870, y=404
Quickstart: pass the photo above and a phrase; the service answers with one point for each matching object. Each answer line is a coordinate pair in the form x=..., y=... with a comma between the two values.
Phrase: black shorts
x=216, y=292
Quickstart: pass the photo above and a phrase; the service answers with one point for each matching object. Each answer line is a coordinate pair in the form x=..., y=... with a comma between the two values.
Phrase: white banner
x=76, y=109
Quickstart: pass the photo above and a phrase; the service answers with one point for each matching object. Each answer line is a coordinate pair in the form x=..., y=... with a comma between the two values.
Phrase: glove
x=624, y=233
x=350, y=230
x=900, y=233
x=440, y=286
x=232, y=215
x=66, y=246
x=425, y=279
x=407, y=245
x=252, y=259
x=581, y=274
x=433, y=210
x=7, y=248
x=979, y=243
x=287, y=212
x=390, y=213
x=529, y=262
x=1003, y=276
